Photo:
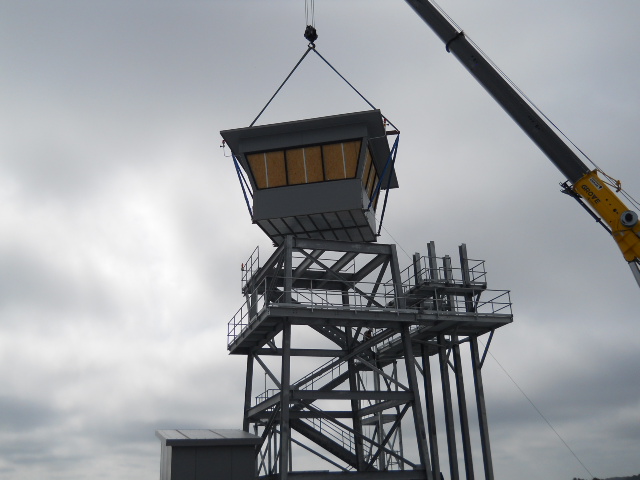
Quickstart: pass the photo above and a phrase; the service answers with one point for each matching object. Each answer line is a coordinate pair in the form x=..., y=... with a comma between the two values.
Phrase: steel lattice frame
x=344, y=339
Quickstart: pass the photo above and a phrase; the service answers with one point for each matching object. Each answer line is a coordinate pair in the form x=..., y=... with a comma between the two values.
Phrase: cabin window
x=296, y=166
x=370, y=177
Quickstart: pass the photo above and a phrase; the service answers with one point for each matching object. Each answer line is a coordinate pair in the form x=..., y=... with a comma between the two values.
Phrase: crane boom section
x=622, y=222
x=507, y=97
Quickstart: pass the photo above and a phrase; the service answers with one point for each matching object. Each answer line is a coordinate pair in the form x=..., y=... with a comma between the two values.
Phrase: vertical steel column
x=431, y=414
x=355, y=404
x=285, y=376
x=394, y=374
x=288, y=268
x=380, y=423
x=247, y=392
x=482, y=411
x=448, y=408
x=395, y=277
x=418, y=276
x=450, y=304
x=464, y=265
x=462, y=409
x=285, y=401
x=418, y=418
x=433, y=260
x=466, y=277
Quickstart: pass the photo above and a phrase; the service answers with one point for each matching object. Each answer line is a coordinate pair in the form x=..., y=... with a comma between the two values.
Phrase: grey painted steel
x=202, y=454
x=520, y=110
x=206, y=437
x=378, y=418
x=431, y=413
x=462, y=409
x=331, y=209
x=433, y=260
x=355, y=404
x=483, y=422
x=448, y=409
x=372, y=475
x=314, y=131
x=457, y=364
x=247, y=392
x=354, y=297
x=285, y=402
x=418, y=420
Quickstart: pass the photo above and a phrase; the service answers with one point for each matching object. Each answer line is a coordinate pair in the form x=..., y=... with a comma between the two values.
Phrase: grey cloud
x=123, y=227
x=31, y=282
x=24, y=414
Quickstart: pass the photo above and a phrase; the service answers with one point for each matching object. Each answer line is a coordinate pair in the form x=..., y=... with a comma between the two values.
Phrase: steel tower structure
x=346, y=354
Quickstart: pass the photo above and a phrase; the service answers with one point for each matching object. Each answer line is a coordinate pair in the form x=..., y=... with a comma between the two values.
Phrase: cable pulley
x=311, y=34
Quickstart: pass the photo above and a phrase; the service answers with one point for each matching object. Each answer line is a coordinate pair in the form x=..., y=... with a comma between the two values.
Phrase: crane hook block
x=310, y=34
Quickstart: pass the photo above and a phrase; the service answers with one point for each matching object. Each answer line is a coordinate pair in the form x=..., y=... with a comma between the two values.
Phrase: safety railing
x=312, y=293
x=250, y=266
x=329, y=429
x=343, y=437
x=490, y=302
x=421, y=271
x=321, y=375
x=363, y=297
x=248, y=312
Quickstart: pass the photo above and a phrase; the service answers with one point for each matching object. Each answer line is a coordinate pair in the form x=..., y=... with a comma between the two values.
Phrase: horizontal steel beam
x=379, y=407
x=303, y=352
x=349, y=395
x=338, y=246
x=375, y=475
x=262, y=406
x=324, y=414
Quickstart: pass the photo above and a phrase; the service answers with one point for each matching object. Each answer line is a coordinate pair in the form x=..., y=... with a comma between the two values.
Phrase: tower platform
x=431, y=298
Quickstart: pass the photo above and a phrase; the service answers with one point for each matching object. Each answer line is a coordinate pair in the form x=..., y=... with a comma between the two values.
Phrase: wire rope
x=282, y=85
x=546, y=420
x=611, y=181
x=394, y=240
x=540, y=413
x=310, y=12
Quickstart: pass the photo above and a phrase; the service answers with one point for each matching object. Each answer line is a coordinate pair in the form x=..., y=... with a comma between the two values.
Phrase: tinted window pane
x=367, y=169
x=258, y=169
x=351, y=154
x=334, y=168
x=276, y=173
x=313, y=161
x=295, y=167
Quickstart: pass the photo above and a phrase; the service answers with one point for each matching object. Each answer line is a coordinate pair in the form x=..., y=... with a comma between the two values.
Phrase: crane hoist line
x=583, y=183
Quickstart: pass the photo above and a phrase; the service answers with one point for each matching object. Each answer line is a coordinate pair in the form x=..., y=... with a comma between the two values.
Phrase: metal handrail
x=360, y=296
x=410, y=276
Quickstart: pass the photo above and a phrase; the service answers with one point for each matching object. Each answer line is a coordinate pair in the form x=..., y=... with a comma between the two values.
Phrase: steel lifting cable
x=310, y=13
x=311, y=35
x=609, y=180
x=312, y=47
x=244, y=184
x=309, y=48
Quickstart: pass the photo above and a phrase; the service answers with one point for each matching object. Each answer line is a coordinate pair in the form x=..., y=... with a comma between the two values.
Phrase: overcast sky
x=123, y=227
